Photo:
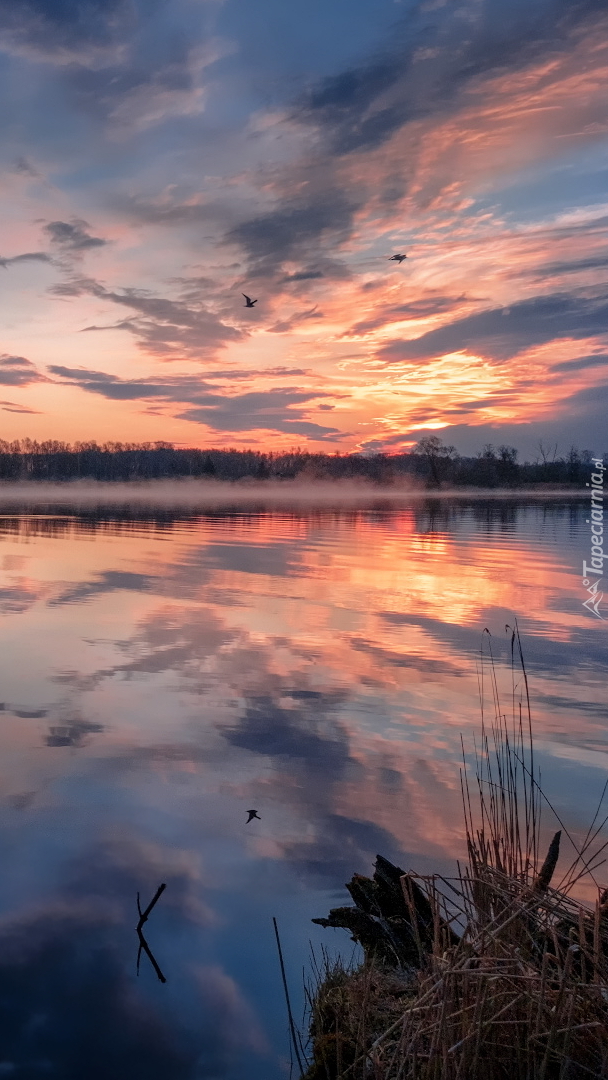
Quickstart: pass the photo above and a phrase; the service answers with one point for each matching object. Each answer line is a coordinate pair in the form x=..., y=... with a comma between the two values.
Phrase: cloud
x=594, y=398
x=19, y=596
x=568, y=266
x=391, y=658
x=17, y=371
x=263, y=410
x=126, y=64
x=116, y=389
x=305, y=275
x=427, y=93
x=285, y=325
x=340, y=843
x=501, y=333
x=271, y=558
x=270, y=410
x=72, y=236
x=424, y=308
x=165, y=327
x=149, y=89
x=67, y=977
x=295, y=733
x=341, y=104
x=169, y=209
x=27, y=256
x=294, y=228
x=548, y=656
x=57, y=1022
x=25, y=167
x=65, y=31
x=582, y=362
x=307, y=743
x=170, y=639
x=436, y=56
x=11, y=406
x=71, y=733
x=109, y=581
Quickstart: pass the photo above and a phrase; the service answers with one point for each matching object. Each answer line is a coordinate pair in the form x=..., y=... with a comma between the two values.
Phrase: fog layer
x=210, y=493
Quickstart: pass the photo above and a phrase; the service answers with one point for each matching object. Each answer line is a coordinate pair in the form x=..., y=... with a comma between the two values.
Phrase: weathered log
x=395, y=927
x=368, y=931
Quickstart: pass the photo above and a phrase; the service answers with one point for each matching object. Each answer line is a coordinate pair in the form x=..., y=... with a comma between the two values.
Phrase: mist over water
x=201, y=493
x=168, y=662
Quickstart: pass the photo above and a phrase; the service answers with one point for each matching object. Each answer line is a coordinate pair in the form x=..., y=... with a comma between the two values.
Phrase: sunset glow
x=161, y=160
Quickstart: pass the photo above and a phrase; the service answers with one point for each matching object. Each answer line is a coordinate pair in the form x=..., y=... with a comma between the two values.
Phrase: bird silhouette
x=249, y=301
x=252, y=814
x=397, y=258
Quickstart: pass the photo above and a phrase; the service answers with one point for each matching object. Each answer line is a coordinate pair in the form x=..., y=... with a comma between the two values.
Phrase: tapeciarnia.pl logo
x=593, y=572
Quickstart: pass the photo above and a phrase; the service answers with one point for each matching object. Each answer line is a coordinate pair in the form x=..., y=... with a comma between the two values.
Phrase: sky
x=160, y=158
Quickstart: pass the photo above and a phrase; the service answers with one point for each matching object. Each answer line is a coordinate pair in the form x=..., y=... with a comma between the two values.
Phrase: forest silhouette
x=430, y=463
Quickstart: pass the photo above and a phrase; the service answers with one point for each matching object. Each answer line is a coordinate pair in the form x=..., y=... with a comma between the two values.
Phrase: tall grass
x=514, y=985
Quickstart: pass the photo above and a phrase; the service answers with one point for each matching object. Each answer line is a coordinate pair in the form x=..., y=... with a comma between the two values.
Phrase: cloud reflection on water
x=317, y=665
x=70, y=1006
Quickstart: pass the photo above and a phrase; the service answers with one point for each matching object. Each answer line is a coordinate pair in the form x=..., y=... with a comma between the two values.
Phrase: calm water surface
x=160, y=675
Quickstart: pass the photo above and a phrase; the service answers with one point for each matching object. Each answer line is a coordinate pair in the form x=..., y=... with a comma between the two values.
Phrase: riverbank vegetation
x=430, y=463
x=498, y=973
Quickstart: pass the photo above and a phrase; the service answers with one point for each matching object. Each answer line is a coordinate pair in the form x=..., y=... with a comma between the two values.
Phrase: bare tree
x=545, y=451
x=436, y=453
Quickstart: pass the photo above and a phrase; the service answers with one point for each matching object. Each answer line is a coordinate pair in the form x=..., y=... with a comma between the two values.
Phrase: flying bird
x=249, y=301
x=397, y=258
x=252, y=814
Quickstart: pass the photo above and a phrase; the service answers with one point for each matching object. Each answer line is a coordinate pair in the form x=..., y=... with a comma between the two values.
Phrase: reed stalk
x=521, y=991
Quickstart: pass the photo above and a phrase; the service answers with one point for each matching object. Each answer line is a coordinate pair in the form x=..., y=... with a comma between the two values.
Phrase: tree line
x=430, y=461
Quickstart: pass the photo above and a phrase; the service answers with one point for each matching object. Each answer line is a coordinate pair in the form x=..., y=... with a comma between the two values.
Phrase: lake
x=163, y=671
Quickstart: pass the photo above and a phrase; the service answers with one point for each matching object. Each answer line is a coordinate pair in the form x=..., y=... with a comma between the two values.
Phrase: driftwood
x=392, y=918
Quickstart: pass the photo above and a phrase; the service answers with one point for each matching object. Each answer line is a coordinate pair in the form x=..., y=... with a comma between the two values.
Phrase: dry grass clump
x=509, y=978
x=347, y=1010
x=523, y=995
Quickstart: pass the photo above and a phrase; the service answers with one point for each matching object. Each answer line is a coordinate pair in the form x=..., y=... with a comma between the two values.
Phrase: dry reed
x=520, y=991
